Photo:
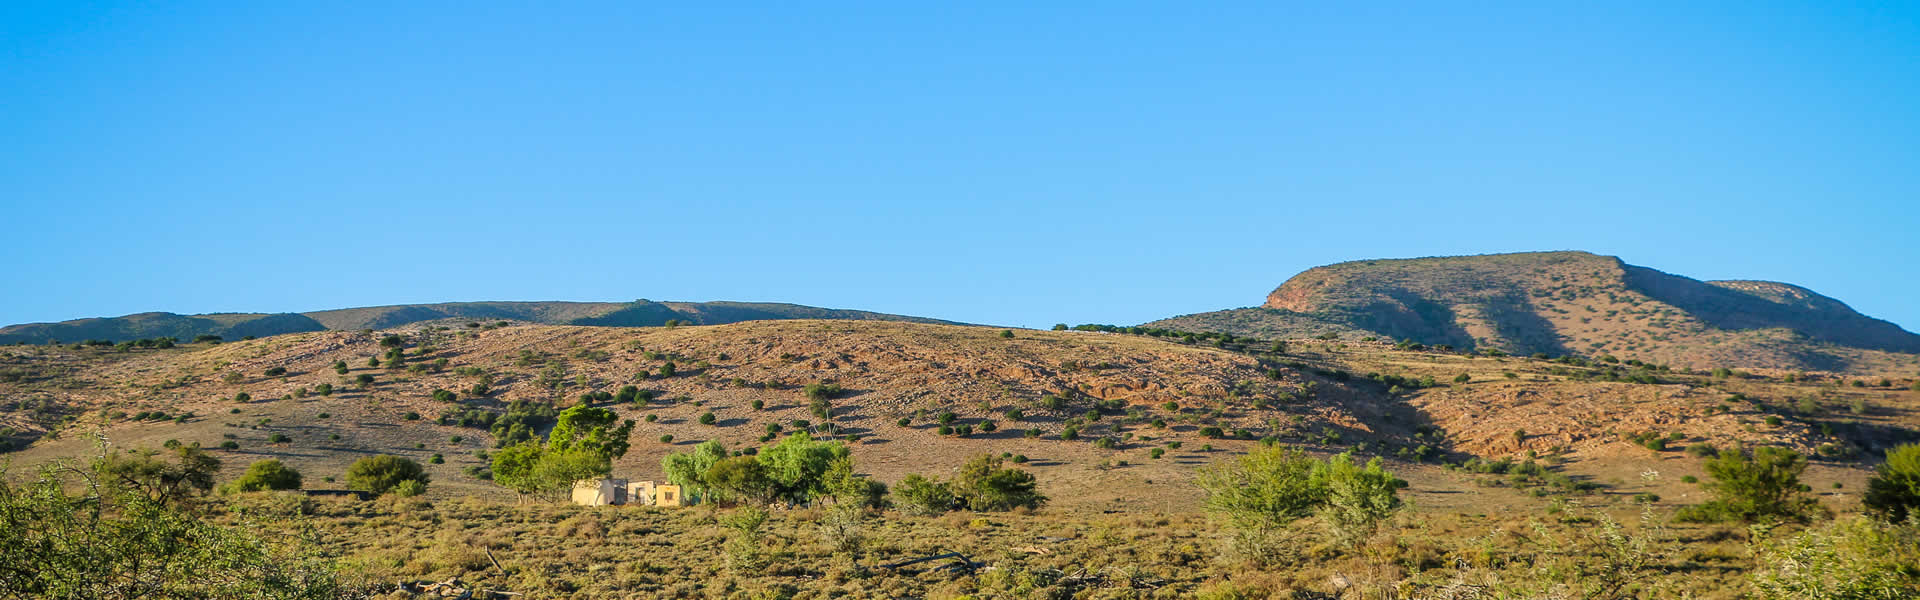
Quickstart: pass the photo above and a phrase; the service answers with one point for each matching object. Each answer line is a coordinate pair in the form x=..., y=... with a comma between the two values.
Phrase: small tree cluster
x=1259, y=495
x=983, y=484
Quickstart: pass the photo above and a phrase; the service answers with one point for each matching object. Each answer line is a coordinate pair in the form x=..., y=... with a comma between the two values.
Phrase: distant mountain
x=1570, y=303
x=639, y=313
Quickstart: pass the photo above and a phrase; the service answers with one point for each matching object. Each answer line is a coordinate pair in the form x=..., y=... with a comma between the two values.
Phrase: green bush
x=707, y=418
x=983, y=484
x=408, y=488
x=269, y=474
x=1260, y=494
x=919, y=495
x=81, y=538
x=379, y=474
x=1894, y=491
x=1852, y=558
x=1762, y=485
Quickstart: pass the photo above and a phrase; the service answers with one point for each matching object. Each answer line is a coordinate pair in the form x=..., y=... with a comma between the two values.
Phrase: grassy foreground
x=563, y=551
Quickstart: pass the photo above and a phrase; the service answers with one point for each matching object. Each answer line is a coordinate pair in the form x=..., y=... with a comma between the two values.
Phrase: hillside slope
x=1072, y=390
x=639, y=313
x=1572, y=303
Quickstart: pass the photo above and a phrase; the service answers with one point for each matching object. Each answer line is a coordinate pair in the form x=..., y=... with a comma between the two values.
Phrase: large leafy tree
x=798, y=465
x=689, y=469
x=591, y=429
x=583, y=444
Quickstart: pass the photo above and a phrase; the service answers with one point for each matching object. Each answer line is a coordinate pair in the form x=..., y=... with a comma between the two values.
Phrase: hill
x=639, y=313
x=1114, y=427
x=1089, y=399
x=1561, y=303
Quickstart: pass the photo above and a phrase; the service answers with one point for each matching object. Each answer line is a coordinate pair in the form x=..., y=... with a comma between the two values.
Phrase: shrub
x=1763, y=485
x=1894, y=491
x=983, y=484
x=1156, y=453
x=918, y=495
x=759, y=404
x=411, y=416
x=275, y=371
x=1006, y=333
x=1853, y=558
x=68, y=540
x=230, y=445
x=324, y=389
x=408, y=488
x=269, y=474
x=1462, y=378
x=379, y=474
x=279, y=438
x=1261, y=493
x=706, y=418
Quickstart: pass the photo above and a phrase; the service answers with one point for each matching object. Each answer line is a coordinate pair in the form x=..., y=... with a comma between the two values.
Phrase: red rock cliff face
x=1301, y=293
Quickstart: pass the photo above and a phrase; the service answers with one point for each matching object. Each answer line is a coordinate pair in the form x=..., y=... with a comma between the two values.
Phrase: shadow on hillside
x=1515, y=318
x=1814, y=316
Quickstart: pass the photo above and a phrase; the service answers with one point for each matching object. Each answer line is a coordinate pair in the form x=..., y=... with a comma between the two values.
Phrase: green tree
x=1358, y=499
x=139, y=472
x=845, y=486
x=514, y=468
x=1894, y=491
x=740, y=479
x=1760, y=485
x=984, y=484
x=269, y=474
x=378, y=474
x=798, y=465
x=591, y=429
x=688, y=469
x=1259, y=496
x=1266, y=489
x=920, y=495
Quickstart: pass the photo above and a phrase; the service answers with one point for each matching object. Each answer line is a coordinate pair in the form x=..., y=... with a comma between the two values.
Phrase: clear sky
x=1010, y=163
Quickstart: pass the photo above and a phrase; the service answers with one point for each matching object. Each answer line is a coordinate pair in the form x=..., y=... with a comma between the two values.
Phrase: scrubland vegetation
x=1235, y=467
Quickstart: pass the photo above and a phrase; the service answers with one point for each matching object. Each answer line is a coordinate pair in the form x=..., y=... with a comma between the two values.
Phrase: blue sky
x=986, y=162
